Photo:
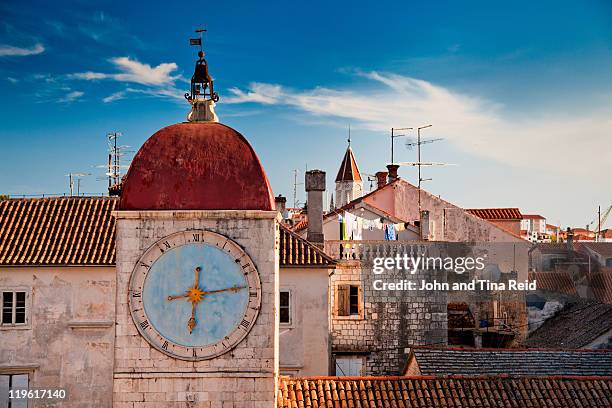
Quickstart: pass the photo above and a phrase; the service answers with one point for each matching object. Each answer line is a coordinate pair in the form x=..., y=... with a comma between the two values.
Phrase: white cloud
x=12, y=51
x=114, y=97
x=71, y=97
x=12, y=80
x=134, y=71
x=88, y=76
x=260, y=93
x=474, y=124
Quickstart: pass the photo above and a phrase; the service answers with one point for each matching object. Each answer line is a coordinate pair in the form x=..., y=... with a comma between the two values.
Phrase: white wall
x=304, y=343
x=69, y=340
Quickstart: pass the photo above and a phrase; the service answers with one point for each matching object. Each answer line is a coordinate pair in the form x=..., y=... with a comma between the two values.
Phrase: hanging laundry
x=350, y=222
x=389, y=232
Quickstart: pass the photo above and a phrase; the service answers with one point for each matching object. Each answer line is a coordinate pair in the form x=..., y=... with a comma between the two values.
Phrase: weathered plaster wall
x=389, y=320
x=449, y=222
x=68, y=343
x=244, y=377
x=304, y=343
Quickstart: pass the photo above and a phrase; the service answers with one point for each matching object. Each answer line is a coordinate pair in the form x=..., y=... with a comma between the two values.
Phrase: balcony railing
x=368, y=250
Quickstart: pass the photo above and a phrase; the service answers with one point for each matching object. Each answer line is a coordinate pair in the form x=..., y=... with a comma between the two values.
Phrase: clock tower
x=197, y=268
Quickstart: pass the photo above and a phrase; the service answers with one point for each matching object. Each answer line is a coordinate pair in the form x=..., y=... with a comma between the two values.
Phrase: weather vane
x=201, y=81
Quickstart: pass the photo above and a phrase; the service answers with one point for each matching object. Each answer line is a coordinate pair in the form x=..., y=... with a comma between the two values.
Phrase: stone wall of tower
x=243, y=377
x=347, y=191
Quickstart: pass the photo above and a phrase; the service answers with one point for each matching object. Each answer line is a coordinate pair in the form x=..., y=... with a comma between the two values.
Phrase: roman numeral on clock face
x=144, y=324
x=245, y=324
x=196, y=237
x=136, y=294
x=165, y=345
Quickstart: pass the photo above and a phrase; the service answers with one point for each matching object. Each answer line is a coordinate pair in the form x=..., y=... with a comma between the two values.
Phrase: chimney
x=381, y=179
x=424, y=225
x=392, y=172
x=281, y=206
x=315, y=185
x=570, y=240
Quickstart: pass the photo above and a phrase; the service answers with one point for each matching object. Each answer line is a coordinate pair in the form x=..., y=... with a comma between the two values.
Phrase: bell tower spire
x=202, y=96
x=349, y=184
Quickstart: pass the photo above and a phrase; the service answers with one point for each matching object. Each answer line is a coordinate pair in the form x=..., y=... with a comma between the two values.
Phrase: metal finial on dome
x=202, y=96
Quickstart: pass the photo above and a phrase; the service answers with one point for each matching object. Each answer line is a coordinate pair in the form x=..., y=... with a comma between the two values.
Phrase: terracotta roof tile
x=296, y=251
x=533, y=217
x=578, y=324
x=602, y=248
x=81, y=231
x=513, y=362
x=496, y=213
x=374, y=392
x=601, y=284
x=57, y=231
x=558, y=282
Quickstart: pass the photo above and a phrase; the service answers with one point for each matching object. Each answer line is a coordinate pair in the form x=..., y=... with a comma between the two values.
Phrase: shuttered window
x=348, y=300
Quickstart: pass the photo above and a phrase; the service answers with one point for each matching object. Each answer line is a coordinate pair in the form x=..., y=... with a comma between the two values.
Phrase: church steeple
x=349, y=184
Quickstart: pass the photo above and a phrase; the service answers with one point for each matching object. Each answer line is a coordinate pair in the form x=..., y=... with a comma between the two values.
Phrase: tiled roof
x=601, y=284
x=348, y=168
x=551, y=247
x=533, y=217
x=602, y=248
x=57, y=231
x=540, y=362
x=579, y=323
x=408, y=392
x=558, y=282
x=300, y=225
x=496, y=213
x=81, y=231
x=296, y=251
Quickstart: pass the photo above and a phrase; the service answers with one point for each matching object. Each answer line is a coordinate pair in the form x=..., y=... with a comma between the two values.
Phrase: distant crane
x=600, y=221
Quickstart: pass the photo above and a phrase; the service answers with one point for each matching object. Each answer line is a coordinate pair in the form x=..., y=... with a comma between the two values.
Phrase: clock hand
x=197, y=276
x=192, y=322
x=177, y=297
x=232, y=289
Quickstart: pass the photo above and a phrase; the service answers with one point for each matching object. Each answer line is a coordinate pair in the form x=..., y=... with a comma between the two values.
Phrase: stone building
x=370, y=329
x=59, y=253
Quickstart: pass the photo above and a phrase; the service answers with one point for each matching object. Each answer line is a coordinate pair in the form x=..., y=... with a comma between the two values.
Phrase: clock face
x=194, y=295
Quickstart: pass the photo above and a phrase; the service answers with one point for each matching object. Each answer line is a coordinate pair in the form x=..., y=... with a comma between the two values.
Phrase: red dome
x=196, y=166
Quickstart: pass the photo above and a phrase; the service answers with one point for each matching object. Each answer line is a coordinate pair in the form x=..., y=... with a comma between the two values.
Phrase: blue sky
x=521, y=92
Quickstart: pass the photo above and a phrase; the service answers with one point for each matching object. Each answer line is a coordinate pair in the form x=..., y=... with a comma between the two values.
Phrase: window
x=349, y=366
x=14, y=382
x=285, y=307
x=348, y=300
x=13, y=308
x=609, y=262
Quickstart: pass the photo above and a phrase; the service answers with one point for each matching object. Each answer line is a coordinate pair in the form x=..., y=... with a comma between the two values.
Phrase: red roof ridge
x=582, y=350
x=454, y=376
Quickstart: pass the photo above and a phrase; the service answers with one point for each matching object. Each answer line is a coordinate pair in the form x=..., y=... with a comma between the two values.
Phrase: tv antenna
x=76, y=176
x=395, y=135
x=117, y=160
x=418, y=143
x=295, y=186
